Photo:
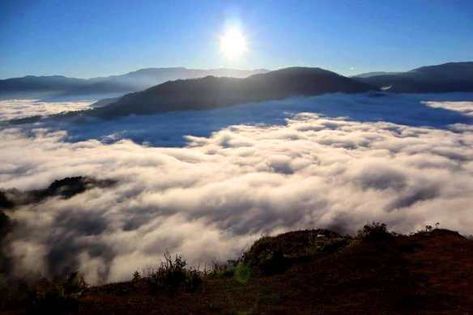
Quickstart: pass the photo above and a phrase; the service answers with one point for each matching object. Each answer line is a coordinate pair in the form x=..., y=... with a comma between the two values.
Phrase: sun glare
x=233, y=43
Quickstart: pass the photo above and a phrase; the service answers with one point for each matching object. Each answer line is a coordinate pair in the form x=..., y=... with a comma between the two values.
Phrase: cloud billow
x=213, y=197
x=18, y=109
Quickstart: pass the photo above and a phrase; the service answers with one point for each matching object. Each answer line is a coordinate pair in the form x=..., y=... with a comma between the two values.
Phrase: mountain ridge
x=212, y=92
x=31, y=86
x=447, y=77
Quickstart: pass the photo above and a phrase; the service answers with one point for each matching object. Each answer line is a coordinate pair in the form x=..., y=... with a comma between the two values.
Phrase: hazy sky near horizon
x=94, y=38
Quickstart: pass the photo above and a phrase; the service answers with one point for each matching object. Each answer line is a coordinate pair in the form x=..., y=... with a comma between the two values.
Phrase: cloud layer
x=169, y=129
x=212, y=198
x=16, y=109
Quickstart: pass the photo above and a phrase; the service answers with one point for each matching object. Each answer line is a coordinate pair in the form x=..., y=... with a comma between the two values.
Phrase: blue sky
x=92, y=38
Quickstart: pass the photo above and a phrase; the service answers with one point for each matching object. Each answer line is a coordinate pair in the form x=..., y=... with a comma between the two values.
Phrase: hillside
x=302, y=272
x=212, y=92
x=448, y=77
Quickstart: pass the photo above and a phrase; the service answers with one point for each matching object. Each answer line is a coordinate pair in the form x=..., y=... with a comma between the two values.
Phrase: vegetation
x=374, y=232
x=58, y=296
x=223, y=270
x=375, y=272
x=242, y=273
x=172, y=274
x=136, y=276
x=5, y=226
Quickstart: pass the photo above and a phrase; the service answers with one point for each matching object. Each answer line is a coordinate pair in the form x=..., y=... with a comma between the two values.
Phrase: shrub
x=4, y=224
x=374, y=231
x=272, y=262
x=172, y=274
x=136, y=276
x=429, y=228
x=74, y=284
x=266, y=257
x=226, y=270
x=242, y=273
x=59, y=296
x=193, y=280
x=326, y=245
x=53, y=301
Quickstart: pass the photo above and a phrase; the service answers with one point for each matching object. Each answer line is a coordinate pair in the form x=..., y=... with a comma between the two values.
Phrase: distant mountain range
x=212, y=92
x=61, y=86
x=175, y=89
x=448, y=77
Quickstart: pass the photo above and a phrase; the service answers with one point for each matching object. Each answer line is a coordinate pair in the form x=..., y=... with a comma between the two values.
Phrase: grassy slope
x=426, y=273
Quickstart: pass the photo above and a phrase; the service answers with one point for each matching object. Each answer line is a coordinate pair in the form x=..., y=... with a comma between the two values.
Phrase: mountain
x=145, y=78
x=37, y=86
x=60, y=86
x=212, y=92
x=65, y=188
x=448, y=77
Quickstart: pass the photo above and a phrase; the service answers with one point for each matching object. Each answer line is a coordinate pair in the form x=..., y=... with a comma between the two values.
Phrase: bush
x=242, y=273
x=374, y=231
x=4, y=224
x=172, y=274
x=53, y=301
x=59, y=296
x=41, y=295
x=136, y=276
x=266, y=257
x=326, y=245
x=271, y=262
x=226, y=270
x=74, y=284
x=193, y=280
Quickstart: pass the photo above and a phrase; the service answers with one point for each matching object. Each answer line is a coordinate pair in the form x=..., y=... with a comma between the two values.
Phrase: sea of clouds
x=271, y=171
x=20, y=108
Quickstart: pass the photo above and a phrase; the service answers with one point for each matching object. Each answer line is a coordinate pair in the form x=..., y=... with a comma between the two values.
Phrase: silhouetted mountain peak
x=211, y=91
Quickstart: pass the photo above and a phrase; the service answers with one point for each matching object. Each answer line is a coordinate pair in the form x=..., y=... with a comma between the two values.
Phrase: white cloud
x=16, y=109
x=211, y=198
x=462, y=107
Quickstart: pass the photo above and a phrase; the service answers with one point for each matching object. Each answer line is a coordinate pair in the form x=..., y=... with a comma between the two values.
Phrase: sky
x=97, y=38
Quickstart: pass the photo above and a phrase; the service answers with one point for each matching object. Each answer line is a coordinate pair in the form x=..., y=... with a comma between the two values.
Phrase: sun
x=233, y=43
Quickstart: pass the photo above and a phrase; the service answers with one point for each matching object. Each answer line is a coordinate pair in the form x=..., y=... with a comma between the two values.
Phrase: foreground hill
x=211, y=92
x=60, y=86
x=448, y=77
x=319, y=272
x=302, y=272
